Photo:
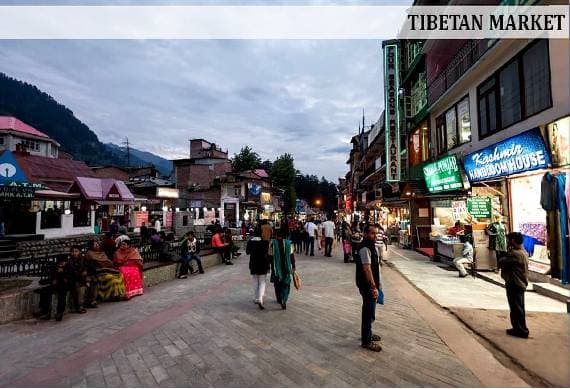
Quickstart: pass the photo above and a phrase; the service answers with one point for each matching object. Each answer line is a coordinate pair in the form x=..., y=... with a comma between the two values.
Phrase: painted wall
x=66, y=229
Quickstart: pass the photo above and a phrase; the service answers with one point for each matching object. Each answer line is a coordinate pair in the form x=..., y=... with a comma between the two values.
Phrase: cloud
x=301, y=97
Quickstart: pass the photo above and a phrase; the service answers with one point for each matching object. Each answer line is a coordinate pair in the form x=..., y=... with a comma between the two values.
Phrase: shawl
x=128, y=256
x=100, y=259
x=282, y=273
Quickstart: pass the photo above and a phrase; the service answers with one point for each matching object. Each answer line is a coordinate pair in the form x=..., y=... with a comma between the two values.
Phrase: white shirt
x=328, y=228
x=157, y=225
x=311, y=228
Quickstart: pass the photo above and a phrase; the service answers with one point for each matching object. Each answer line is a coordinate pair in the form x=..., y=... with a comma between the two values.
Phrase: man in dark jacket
x=514, y=270
x=368, y=282
x=259, y=265
x=189, y=251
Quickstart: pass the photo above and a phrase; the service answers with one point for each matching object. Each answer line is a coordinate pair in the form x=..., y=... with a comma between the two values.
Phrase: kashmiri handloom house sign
x=518, y=154
x=391, y=117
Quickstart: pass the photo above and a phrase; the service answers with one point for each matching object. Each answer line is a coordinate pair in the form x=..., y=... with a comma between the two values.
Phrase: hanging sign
x=392, y=117
x=517, y=154
x=254, y=189
x=443, y=175
x=479, y=207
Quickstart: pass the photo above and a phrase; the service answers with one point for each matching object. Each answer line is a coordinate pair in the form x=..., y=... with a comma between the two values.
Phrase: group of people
x=352, y=238
x=110, y=270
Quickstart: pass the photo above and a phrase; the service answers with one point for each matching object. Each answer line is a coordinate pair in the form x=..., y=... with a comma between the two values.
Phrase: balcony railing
x=465, y=58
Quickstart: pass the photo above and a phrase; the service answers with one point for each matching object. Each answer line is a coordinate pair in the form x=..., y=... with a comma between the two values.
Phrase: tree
x=282, y=175
x=310, y=188
x=246, y=159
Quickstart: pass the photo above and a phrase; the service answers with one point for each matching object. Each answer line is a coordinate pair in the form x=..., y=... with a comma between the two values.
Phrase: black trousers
x=368, y=315
x=224, y=252
x=515, y=296
x=310, y=246
x=328, y=246
x=45, y=300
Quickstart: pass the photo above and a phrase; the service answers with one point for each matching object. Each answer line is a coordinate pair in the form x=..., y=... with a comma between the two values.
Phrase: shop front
x=507, y=179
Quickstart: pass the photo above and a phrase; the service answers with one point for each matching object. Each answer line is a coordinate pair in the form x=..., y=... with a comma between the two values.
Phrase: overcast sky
x=302, y=97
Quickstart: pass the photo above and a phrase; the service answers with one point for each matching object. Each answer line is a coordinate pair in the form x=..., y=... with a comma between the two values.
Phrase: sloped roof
x=99, y=188
x=14, y=124
x=42, y=168
x=261, y=173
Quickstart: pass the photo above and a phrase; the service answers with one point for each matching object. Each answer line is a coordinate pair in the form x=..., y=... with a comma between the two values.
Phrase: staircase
x=8, y=249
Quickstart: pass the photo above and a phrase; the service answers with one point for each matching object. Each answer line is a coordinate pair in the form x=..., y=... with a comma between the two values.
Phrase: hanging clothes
x=549, y=192
x=565, y=243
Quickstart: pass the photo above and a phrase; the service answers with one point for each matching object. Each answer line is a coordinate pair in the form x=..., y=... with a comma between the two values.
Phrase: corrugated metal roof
x=14, y=124
x=42, y=168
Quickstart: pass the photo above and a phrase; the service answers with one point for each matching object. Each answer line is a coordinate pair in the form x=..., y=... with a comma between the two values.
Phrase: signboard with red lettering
x=168, y=221
x=140, y=218
x=392, y=115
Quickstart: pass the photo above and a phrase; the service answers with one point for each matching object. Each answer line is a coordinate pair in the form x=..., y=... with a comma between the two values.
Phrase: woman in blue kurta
x=282, y=267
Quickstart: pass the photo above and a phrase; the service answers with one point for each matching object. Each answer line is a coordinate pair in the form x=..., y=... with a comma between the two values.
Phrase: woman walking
x=258, y=265
x=283, y=266
x=346, y=235
x=111, y=286
x=130, y=265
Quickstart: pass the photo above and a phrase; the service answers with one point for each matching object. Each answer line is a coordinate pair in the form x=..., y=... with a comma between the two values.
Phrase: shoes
x=462, y=275
x=372, y=346
x=260, y=305
x=92, y=305
x=376, y=338
x=237, y=255
x=182, y=277
x=229, y=263
x=59, y=317
x=283, y=306
x=517, y=334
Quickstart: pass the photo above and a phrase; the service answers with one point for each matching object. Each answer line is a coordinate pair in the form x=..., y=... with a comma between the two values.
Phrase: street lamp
x=318, y=202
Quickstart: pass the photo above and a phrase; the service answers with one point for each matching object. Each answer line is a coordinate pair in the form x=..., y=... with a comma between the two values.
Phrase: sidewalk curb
x=543, y=382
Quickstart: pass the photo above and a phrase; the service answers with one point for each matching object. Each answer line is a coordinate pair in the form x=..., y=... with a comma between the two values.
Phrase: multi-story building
x=15, y=135
x=198, y=179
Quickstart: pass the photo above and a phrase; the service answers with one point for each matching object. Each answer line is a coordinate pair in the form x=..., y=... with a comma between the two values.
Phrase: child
x=514, y=270
x=466, y=255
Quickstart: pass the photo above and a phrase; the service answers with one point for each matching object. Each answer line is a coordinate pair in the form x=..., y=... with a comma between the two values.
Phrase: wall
x=502, y=52
x=10, y=142
x=66, y=229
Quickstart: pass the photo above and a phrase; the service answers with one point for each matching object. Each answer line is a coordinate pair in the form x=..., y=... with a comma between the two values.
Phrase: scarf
x=128, y=256
x=100, y=259
x=283, y=275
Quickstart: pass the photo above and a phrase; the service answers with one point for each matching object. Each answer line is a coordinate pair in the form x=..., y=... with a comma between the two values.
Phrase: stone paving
x=206, y=331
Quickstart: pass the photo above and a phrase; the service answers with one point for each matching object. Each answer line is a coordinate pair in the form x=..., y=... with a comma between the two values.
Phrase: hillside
x=40, y=110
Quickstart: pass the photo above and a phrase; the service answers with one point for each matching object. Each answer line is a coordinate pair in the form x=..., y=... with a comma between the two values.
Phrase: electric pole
x=128, y=152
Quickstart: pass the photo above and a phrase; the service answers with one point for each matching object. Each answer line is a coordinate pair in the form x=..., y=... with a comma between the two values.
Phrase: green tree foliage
x=246, y=159
x=310, y=188
x=282, y=175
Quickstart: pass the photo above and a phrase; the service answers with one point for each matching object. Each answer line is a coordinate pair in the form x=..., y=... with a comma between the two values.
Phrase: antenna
x=127, y=144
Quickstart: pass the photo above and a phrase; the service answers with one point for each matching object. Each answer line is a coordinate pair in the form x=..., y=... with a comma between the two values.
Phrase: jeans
x=328, y=246
x=368, y=315
x=185, y=263
x=310, y=246
x=459, y=264
x=515, y=296
x=259, y=282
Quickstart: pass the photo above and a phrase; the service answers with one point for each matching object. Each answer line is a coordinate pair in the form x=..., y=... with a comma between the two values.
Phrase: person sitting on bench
x=220, y=247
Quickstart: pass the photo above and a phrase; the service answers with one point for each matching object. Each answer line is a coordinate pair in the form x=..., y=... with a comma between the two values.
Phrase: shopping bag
x=297, y=280
x=380, y=299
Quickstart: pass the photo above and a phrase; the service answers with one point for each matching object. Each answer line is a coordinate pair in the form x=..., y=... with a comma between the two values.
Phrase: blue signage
x=10, y=171
x=254, y=189
x=518, y=154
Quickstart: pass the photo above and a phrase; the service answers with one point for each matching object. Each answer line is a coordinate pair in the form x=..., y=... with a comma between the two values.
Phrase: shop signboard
x=140, y=218
x=443, y=175
x=479, y=207
x=253, y=190
x=391, y=117
x=16, y=192
x=168, y=219
x=518, y=154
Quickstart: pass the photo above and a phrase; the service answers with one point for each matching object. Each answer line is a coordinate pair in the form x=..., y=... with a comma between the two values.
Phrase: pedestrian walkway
x=483, y=307
x=206, y=331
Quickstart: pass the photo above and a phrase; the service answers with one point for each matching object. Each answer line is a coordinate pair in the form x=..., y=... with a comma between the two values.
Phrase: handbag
x=297, y=280
x=380, y=299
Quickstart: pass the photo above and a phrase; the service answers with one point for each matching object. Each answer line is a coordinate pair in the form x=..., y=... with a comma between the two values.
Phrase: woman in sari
x=282, y=267
x=130, y=264
x=111, y=286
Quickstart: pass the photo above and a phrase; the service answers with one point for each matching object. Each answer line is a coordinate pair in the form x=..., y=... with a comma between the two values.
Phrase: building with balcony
x=15, y=135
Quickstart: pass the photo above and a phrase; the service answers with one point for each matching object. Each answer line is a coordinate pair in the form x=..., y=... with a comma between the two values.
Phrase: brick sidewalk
x=205, y=331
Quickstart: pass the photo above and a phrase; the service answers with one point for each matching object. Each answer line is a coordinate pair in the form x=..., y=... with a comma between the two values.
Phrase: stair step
x=552, y=291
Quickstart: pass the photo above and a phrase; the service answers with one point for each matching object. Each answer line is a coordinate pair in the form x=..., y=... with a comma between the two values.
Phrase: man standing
x=311, y=229
x=368, y=282
x=328, y=231
x=514, y=270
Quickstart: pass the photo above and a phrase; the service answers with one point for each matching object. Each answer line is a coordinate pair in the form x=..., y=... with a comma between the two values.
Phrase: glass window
x=483, y=117
x=451, y=128
x=510, y=94
x=1, y=140
x=536, y=78
x=440, y=133
x=464, y=121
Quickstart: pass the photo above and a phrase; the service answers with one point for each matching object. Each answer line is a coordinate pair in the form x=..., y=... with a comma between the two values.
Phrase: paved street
x=205, y=331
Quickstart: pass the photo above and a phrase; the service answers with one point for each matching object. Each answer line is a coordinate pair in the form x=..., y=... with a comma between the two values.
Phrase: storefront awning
x=54, y=194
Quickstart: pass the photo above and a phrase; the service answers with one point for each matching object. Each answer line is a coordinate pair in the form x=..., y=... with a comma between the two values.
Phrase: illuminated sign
x=443, y=175
x=517, y=154
x=392, y=115
x=167, y=193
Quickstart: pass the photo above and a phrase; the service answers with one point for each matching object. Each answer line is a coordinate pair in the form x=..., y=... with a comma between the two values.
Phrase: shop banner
x=168, y=221
x=140, y=218
x=479, y=207
x=443, y=175
x=517, y=154
x=392, y=117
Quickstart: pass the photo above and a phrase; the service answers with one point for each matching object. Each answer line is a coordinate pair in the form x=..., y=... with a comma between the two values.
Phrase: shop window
x=53, y=151
x=185, y=220
x=1, y=140
x=454, y=127
x=517, y=91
